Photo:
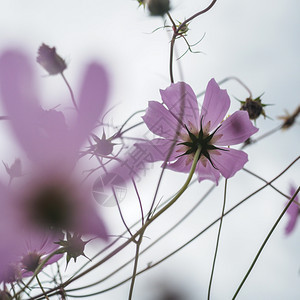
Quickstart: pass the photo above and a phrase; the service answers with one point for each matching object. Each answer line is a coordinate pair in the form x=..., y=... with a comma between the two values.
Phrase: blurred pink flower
x=37, y=247
x=293, y=212
x=51, y=197
x=206, y=130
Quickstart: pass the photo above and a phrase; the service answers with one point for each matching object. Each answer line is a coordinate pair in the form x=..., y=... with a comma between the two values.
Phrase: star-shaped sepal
x=73, y=246
x=202, y=142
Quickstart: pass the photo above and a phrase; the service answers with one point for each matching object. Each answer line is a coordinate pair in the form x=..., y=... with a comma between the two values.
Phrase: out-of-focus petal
x=160, y=121
x=10, y=231
x=182, y=101
x=92, y=101
x=235, y=129
x=18, y=93
x=215, y=106
x=207, y=172
x=293, y=212
x=42, y=134
x=158, y=149
x=228, y=161
x=88, y=220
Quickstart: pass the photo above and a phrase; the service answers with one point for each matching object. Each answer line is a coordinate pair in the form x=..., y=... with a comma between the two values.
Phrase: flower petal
x=228, y=161
x=182, y=103
x=235, y=129
x=180, y=165
x=207, y=172
x=92, y=101
x=160, y=121
x=293, y=213
x=215, y=106
x=158, y=149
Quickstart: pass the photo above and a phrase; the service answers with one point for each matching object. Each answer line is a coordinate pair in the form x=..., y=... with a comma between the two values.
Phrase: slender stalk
x=264, y=244
x=70, y=90
x=40, y=284
x=140, y=201
x=218, y=239
x=176, y=33
x=179, y=193
x=120, y=211
x=137, y=252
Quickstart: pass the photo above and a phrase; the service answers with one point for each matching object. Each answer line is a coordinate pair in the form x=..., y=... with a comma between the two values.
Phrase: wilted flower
x=289, y=119
x=293, y=212
x=52, y=198
x=50, y=60
x=206, y=130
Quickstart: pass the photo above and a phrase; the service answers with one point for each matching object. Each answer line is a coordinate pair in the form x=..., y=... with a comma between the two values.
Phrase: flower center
x=51, y=207
x=202, y=141
x=31, y=261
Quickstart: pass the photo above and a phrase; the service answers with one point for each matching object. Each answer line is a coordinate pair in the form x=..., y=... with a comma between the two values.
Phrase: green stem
x=183, y=188
x=179, y=193
x=264, y=243
x=147, y=223
x=218, y=239
x=137, y=252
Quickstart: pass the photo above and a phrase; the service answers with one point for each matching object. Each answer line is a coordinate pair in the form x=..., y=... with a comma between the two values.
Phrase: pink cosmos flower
x=293, y=212
x=206, y=130
x=52, y=197
x=37, y=247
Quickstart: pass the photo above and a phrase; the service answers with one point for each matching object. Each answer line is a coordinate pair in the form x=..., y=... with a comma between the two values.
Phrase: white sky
x=257, y=41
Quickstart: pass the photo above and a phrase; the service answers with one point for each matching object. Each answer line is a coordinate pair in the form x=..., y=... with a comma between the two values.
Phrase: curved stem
x=70, y=90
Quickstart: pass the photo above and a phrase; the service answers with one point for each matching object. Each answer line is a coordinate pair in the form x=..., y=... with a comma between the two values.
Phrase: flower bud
x=50, y=60
x=158, y=7
x=254, y=107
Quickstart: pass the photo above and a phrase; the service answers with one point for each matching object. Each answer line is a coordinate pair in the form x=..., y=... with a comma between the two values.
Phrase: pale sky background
x=257, y=41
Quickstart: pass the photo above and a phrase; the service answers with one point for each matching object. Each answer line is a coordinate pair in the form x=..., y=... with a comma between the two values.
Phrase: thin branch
x=264, y=244
x=217, y=243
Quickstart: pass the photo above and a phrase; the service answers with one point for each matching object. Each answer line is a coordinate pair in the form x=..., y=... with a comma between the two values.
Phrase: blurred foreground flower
x=51, y=198
x=197, y=130
x=293, y=212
